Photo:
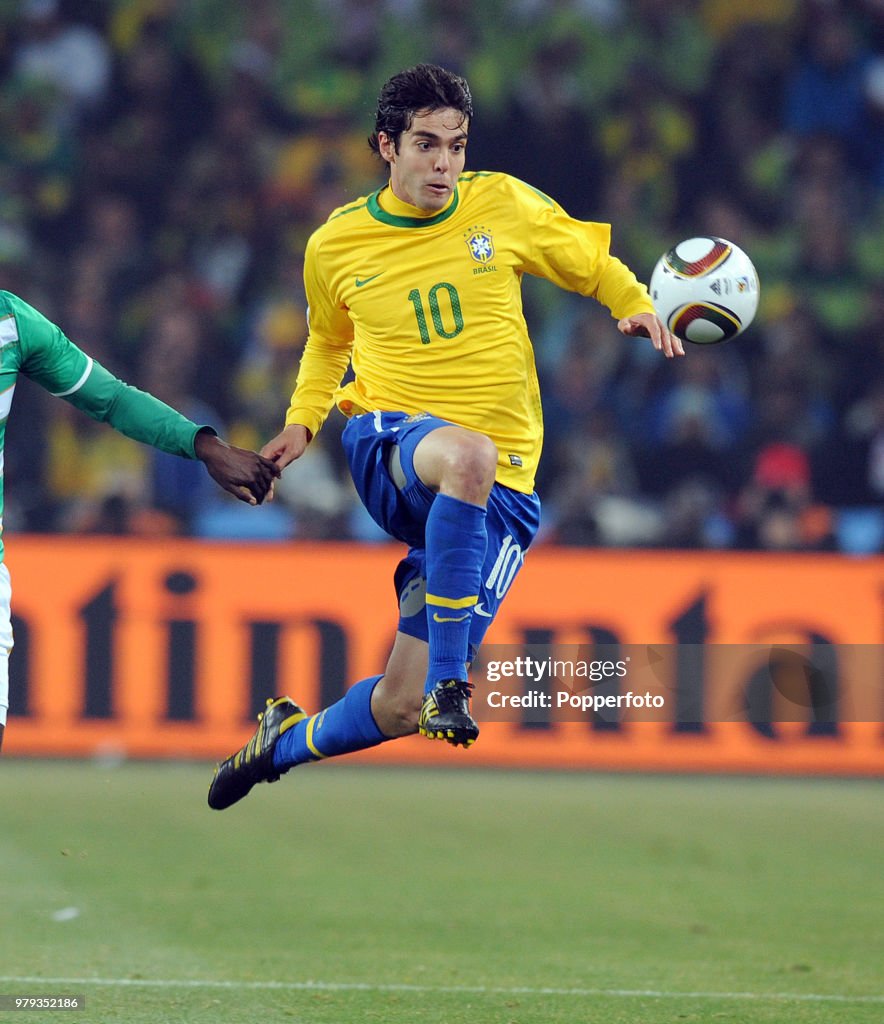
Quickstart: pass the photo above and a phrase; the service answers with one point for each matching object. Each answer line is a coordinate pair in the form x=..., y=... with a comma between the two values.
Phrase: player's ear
x=386, y=147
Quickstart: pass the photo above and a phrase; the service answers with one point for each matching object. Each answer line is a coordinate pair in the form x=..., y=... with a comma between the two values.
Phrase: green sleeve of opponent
x=51, y=359
x=135, y=413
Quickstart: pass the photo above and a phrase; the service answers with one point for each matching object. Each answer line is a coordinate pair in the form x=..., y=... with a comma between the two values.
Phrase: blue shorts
x=379, y=447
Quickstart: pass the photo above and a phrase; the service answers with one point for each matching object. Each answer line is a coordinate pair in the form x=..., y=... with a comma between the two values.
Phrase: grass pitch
x=349, y=894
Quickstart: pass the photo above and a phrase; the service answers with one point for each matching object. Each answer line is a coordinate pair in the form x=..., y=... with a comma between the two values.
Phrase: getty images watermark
x=820, y=684
x=572, y=677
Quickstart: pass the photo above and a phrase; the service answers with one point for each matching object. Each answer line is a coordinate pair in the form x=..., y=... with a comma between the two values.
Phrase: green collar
x=377, y=211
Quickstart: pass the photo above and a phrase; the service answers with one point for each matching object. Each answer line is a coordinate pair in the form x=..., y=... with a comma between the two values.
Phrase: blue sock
x=456, y=539
x=340, y=729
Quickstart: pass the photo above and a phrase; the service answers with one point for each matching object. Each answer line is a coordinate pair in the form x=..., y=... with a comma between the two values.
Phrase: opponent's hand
x=288, y=445
x=246, y=475
x=647, y=325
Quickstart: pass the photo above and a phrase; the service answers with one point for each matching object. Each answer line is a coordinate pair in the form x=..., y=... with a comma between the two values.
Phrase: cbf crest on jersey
x=481, y=245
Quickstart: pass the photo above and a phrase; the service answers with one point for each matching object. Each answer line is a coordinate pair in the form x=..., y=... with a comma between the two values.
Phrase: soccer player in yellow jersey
x=418, y=286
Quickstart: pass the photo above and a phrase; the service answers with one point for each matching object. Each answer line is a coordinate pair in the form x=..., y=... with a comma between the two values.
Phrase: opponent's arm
x=51, y=359
x=141, y=416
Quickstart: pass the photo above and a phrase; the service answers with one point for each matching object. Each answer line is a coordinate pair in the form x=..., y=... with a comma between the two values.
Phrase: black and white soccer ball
x=705, y=290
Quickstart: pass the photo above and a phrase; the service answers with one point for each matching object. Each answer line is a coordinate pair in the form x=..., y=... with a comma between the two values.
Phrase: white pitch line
x=492, y=990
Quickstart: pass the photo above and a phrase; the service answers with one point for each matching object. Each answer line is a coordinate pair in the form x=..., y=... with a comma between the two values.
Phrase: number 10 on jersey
x=452, y=314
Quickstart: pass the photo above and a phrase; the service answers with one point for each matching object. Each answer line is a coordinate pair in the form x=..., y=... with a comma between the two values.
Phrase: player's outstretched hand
x=247, y=475
x=647, y=325
x=289, y=444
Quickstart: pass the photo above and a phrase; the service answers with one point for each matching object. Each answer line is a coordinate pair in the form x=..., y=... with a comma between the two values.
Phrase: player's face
x=431, y=155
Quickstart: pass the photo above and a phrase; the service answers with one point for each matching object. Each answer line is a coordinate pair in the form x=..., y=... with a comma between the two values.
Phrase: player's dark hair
x=420, y=89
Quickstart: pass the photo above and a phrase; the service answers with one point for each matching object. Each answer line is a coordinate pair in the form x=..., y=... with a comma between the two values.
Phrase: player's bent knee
x=470, y=466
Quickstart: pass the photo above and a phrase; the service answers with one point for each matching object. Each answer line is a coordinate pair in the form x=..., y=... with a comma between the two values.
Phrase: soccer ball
x=705, y=290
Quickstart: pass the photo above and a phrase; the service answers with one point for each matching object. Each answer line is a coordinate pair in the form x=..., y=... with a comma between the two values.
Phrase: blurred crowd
x=162, y=163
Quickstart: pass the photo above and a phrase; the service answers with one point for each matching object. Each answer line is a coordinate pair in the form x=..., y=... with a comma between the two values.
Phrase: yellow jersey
x=428, y=309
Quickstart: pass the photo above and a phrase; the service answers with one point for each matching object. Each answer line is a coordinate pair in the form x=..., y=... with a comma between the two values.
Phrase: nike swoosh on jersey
x=360, y=281
x=442, y=618
x=479, y=610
